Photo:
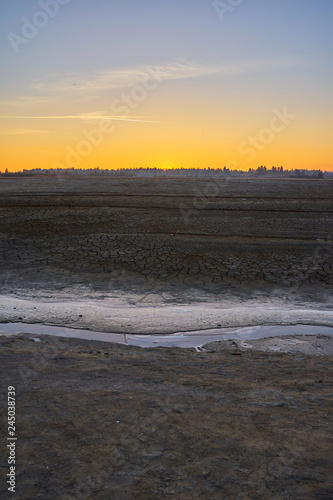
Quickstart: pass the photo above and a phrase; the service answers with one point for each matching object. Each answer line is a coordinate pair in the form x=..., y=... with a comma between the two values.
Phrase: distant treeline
x=277, y=172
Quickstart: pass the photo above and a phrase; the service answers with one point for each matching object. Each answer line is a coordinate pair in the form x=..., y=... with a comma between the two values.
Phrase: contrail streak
x=80, y=117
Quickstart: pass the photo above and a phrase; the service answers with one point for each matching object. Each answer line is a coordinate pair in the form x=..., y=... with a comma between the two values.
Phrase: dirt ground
x=188, y=238
x=103, y=421
x=106, y=421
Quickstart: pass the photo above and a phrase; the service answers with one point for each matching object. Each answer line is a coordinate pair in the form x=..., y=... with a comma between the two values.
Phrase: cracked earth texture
x=167, y=235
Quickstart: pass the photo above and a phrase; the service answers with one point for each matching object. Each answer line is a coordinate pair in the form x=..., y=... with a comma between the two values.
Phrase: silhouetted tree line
x=175, y=172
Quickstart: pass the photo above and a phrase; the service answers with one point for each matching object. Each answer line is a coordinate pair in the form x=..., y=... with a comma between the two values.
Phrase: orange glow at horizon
x=46, y=155
x=176, y=138
x=166, y=85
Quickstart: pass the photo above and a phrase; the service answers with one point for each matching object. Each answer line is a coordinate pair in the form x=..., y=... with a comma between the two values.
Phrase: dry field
x=192, y=238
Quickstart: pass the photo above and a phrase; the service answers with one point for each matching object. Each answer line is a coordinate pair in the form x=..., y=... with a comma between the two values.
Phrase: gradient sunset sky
x=166, y=83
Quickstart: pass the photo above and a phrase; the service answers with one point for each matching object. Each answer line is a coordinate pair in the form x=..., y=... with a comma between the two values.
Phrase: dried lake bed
x=230, y=416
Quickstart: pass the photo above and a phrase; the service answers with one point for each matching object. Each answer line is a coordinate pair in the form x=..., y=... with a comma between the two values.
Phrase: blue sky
x=262, y=55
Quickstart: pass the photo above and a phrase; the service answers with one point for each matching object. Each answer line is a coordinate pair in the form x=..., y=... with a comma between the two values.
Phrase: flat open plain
x=105, y=421
x=191, y=239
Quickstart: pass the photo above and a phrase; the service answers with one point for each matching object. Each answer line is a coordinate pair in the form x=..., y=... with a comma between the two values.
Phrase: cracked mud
x=255, y=235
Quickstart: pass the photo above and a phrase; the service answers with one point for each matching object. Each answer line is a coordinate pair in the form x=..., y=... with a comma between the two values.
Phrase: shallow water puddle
x=182, y=339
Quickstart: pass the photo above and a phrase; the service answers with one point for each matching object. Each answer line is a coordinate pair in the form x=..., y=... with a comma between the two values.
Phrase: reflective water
x=181, y=339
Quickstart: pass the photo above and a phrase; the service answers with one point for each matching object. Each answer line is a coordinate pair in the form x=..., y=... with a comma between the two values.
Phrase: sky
x=166, y=84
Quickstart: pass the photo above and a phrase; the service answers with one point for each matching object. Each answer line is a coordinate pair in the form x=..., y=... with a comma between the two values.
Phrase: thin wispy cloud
x=121, y=78
x=25, y=131
x=24, y=101
x=131, y=76
x=84, y=117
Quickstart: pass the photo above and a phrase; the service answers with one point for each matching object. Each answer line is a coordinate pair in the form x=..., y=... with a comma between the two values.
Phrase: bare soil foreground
x=97, y=420
x=104, y=421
